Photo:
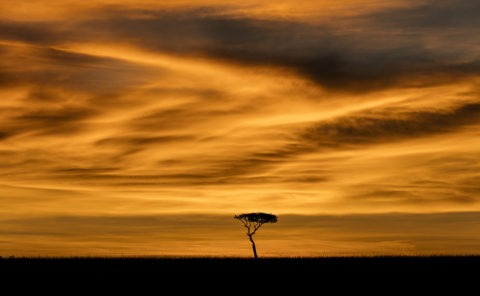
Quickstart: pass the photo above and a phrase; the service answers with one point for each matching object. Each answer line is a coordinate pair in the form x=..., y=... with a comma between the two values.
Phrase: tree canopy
x=257, y=217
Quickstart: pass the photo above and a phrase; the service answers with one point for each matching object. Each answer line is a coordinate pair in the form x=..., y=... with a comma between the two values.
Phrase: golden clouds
x=283, y=9
x=126, y=111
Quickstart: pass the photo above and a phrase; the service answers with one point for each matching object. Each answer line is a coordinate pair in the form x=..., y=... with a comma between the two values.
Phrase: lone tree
x=253, y=221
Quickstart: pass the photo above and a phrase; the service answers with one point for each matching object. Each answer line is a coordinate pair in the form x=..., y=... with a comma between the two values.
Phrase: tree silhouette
x=253, y=221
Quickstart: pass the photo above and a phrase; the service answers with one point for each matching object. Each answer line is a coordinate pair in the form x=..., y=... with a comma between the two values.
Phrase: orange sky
x=142, y=128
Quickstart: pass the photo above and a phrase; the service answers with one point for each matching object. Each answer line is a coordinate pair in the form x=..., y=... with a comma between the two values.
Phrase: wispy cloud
x=147, y=108
x=391, y=125
x=395, y=47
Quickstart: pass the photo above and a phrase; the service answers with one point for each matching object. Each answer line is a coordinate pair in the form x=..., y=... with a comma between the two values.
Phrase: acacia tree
x=253, y=221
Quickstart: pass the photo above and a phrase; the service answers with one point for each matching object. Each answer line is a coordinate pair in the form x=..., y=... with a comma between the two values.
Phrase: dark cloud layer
x=391, y=126
x=373, y=56
x=141, y=141
x=31, y=32
x=437, y=15
x=59, y=121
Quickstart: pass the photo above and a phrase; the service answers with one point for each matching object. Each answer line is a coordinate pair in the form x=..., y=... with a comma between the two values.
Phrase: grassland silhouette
x=403, y=273
x=386, y=275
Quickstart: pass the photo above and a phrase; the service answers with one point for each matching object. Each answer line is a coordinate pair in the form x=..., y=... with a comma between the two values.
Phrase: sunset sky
x=142, y=127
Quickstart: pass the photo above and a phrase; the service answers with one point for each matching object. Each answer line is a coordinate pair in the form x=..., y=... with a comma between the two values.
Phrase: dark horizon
x=301, y=274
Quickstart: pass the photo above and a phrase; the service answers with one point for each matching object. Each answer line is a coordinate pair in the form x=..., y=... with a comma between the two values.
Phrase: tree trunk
x=253, y=246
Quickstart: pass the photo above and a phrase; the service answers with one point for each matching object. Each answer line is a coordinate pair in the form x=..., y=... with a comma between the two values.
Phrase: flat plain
x=390, y=274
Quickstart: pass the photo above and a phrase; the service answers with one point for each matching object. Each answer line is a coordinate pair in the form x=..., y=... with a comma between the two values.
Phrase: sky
x=140, y=128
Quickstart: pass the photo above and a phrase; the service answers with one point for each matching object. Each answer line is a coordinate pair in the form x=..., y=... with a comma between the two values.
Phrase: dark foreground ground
x=388, y=275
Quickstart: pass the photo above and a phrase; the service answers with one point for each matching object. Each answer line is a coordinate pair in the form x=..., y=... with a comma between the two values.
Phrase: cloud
x=48, y=67
x=390, y=125
x=139, y=141
x=4, y=135
x=437, y=15
x=191, y=110
x=337, y=60
x=63, y=119
x=31, y=32
x=334, y=55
